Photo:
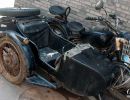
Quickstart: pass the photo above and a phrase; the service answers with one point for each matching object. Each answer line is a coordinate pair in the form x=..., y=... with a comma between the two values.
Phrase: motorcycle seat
x=57, y=10
x=75, y=26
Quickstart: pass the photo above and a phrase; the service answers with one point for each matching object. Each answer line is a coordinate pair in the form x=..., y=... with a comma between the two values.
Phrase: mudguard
x=25, y=48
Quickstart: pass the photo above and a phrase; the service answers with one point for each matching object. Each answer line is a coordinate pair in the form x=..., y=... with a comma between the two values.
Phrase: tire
x=19, y=12
x=59, y=30
x=12, y=61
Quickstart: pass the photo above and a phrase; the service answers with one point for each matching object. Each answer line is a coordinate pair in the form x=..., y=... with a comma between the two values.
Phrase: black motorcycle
x=29, y=49
x=108, y=40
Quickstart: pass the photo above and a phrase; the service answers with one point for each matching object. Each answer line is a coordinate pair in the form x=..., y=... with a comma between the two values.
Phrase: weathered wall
x=82, y=8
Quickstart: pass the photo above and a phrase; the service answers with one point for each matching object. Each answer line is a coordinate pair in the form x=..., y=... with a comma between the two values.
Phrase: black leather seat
x=57, y=10
x=75, y=26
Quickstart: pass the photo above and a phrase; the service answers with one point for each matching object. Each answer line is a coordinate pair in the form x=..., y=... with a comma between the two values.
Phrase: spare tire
x=19, y=12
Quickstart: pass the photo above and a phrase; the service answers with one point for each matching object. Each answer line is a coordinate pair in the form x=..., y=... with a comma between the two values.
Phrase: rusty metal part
x=26, y=41
x=2, y=34
x=10, y=59
x=119, y=42
x=23, y=39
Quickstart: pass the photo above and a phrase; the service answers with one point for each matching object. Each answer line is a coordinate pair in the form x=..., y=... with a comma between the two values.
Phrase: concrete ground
x=26, y=91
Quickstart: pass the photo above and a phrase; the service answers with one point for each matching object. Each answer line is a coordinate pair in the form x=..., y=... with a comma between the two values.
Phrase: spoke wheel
x=12, y=61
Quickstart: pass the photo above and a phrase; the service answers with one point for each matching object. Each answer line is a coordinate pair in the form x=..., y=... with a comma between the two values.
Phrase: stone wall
x=83, y=8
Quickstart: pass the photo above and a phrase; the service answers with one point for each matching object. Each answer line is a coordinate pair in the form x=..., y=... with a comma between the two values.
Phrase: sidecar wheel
x=12, y=61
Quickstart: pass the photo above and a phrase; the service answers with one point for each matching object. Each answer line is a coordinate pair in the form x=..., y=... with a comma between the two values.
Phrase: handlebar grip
x=94, y=18
x=91, y=18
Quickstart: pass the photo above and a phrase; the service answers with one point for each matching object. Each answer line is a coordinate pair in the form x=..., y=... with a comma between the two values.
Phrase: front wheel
x=12, y=61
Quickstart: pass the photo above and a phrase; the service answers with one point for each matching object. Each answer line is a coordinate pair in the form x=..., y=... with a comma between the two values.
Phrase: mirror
x=99, y=5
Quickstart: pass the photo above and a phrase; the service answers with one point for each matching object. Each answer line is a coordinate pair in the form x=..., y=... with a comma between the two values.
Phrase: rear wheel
x=12, y=61
x=59, y=30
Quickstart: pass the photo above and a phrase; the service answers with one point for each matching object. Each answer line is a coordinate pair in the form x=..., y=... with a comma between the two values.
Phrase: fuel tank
x=101, y=39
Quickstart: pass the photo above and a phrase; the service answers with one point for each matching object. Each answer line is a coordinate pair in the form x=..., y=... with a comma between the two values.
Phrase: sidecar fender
x=25, y=48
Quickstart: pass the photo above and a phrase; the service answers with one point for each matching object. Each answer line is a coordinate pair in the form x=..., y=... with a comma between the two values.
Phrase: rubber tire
x=60, y=28
x=19, y=12
x=23, y=65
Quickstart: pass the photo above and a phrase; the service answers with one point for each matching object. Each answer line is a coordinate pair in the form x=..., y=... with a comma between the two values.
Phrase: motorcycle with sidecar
x=31, y=51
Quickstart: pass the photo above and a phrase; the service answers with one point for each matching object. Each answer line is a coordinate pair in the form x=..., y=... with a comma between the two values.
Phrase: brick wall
x=83, y=8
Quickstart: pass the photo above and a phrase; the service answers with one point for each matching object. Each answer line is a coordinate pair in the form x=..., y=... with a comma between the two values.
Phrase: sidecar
x=29, y=50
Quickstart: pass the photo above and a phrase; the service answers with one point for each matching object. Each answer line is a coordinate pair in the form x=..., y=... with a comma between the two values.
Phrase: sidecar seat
x=50, y=45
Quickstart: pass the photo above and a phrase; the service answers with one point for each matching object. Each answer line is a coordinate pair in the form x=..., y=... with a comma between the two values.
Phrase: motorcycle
x=31, y=51
x=110, y=41
x=116, y=48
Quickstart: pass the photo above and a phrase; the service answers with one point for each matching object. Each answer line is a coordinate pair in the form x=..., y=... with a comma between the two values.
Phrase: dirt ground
x=26, y=91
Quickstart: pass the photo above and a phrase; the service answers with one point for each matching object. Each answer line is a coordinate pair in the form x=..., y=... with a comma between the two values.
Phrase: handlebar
x=106, y=21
